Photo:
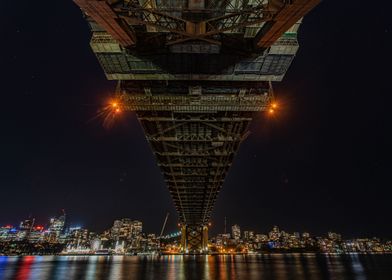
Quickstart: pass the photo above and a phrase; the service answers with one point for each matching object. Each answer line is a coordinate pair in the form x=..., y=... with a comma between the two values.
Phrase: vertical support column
x=184, y=243
x=194, y=239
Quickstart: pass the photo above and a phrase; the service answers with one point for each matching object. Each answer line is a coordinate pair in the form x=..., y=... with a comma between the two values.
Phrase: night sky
x=322, y=163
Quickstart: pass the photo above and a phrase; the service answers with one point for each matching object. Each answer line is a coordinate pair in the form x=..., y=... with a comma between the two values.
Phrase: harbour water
x=268, y=266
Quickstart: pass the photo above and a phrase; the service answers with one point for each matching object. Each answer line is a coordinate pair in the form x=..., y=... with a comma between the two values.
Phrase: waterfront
x=268, y=266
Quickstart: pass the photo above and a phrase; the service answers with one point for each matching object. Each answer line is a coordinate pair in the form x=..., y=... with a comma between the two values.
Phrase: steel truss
x=194, y=238
x=194, y=151
x=163, y=20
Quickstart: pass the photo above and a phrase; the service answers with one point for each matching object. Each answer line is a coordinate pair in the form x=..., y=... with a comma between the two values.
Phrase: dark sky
x=323, y=163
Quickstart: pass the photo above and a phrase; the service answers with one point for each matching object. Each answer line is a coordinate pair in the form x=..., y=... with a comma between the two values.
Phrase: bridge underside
x=195, y=72
x=194, y=138
x=194, y=151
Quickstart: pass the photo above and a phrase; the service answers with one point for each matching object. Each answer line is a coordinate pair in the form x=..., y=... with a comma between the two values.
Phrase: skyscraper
x=236, y=232
x=56, y=228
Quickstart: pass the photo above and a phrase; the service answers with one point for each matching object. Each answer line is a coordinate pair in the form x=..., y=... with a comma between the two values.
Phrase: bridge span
x=195, y=72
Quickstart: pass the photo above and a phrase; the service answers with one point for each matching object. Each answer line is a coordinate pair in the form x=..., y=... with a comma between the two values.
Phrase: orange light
x=271, y=111
x=114, y=105
x=274, y=105
x=118, y=110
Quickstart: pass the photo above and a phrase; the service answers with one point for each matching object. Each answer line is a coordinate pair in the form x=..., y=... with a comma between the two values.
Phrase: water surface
x=271, y=266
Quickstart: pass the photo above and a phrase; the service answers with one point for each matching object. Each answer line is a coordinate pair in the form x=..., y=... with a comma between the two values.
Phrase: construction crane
x=164, y=225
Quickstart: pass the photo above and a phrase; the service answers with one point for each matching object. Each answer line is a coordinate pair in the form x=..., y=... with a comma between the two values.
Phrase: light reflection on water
x=268, y=266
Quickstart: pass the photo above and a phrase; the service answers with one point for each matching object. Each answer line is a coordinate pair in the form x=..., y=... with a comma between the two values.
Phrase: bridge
x=195, y=72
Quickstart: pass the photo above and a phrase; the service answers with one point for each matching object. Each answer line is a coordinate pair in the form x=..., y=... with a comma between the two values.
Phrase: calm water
x=276, y=266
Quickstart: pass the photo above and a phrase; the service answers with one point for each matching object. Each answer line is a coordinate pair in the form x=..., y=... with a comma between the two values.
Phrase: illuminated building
x=96, y=244
x=24, y=229
x=7, y=233
x=236, y=232
x=78, y=238
x=26, y=225
x=36, y=234
x=334, y=236
x=55, y=230
x=261, y=238
x=126, y=229
x=274, y=234
x=137, y=228
x=246, y=235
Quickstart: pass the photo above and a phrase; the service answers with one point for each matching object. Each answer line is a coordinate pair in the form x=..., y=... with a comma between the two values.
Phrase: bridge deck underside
x=194, y=152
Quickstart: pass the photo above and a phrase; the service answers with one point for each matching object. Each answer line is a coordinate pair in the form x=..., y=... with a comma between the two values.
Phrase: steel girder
x=194, y=155
x=213, y=19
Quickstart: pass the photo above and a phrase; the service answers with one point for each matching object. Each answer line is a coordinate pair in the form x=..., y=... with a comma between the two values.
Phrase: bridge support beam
x=194, y=239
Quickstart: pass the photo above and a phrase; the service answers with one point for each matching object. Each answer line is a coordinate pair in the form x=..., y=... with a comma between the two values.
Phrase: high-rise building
x=36, y=234
x=116, y=231
x=56, y=228
x=246, y=235
x=236, y=232
x=126, y=229
x=78, y=238
x=7, y=233
x=25, y=228
x=274, y=234
x=137, y=228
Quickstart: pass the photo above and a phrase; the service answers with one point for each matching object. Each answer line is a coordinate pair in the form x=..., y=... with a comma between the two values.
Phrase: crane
x=164, y=224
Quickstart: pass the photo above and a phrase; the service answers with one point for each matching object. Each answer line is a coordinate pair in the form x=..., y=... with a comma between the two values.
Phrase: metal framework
x=195, y=72
x=194, y=152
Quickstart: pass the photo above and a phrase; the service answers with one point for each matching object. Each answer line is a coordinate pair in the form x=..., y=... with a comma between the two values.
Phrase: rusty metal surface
x=283, y=20
x=101, y=12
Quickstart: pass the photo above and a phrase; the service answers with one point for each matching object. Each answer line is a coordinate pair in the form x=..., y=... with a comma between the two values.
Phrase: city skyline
x=127, y=236
x=234, y=229
x=320, y=164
